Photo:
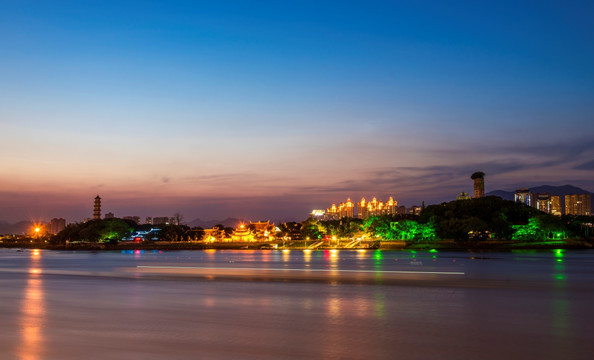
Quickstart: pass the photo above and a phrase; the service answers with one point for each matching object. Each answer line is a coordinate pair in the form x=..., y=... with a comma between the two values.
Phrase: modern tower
x=479, y=184
x=97, y=208
x=524, y=196
x=578, y=204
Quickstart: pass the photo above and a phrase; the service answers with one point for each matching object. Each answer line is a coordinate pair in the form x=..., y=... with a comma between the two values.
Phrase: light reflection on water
x=32, y=313
x=530, y=304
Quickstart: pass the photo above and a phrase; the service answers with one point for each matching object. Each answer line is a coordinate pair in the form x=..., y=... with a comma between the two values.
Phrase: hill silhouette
x=553, y=190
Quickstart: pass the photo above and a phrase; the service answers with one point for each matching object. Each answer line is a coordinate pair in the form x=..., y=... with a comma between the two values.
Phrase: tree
x=289, y=229
x=101, y=230
x=173, y=232
x=312, y=229
x=179, y=218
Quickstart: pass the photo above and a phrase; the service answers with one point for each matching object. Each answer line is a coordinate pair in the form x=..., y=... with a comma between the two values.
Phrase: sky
x=269, y=109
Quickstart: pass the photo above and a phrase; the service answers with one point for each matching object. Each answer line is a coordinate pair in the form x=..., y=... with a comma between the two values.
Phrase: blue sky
x=269, y=109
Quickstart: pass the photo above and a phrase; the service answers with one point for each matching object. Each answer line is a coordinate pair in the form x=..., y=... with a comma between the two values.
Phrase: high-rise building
x=346, y=209
x=136, y=219
x=479, y=184
x=364, y=209
x=160, y=220
x=556, y=208
x=148, y=220
x=544, y=203
x=97, y=208
x=374, y=207
x=56, y=225
x=578, y=204
x=524, y=196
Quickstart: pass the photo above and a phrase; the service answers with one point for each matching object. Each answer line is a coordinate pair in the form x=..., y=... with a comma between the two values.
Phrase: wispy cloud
x=588, y=165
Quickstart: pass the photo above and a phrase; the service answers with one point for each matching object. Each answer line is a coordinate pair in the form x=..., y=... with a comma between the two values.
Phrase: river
x=272, y=304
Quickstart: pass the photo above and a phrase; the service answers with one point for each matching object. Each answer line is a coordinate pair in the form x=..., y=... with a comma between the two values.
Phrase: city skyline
x=271, y=110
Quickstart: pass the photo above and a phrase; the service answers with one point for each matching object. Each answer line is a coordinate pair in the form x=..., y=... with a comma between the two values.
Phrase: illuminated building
x=556, y=208
x=97, y=208
x=242, y=234
x=391, y=206
x=136, y=219
x=148, y=220
x=524, y=196
x=56, y=225
x=543, y=202
x=317, y=214
x=331, y=213
x=364, y=209
x=263, y=230
x=346, y=209
x=463, y=196
x=214, y=235
x=479, y=184
x=578, y=204
x=374, y=207
x=415, y=210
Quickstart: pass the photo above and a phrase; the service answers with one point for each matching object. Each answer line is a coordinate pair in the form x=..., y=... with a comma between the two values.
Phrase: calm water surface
x=296, y=305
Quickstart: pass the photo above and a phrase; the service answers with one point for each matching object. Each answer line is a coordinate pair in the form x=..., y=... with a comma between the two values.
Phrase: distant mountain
x=505, y=195
x=553, y=190
x=207, y=224
x=20, y=228
x=287, y=219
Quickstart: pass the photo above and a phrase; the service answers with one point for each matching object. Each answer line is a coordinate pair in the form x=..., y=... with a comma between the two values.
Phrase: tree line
x=461, y=220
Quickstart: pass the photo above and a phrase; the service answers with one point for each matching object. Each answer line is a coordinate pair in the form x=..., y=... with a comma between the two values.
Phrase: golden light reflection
x=33, y=314
x=307, y=255
x=333, y=306
x=286, y=255
x=333, y=259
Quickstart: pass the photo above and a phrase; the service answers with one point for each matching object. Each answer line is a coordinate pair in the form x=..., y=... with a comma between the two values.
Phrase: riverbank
x=442, y=245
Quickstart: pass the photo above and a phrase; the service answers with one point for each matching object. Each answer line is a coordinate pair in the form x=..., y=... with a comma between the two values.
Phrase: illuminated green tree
x=378, y=227
x=529, y=232
x=114, y=230
x=411, y=230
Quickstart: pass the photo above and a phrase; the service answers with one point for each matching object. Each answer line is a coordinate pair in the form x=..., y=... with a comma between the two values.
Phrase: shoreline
x=444, y=245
